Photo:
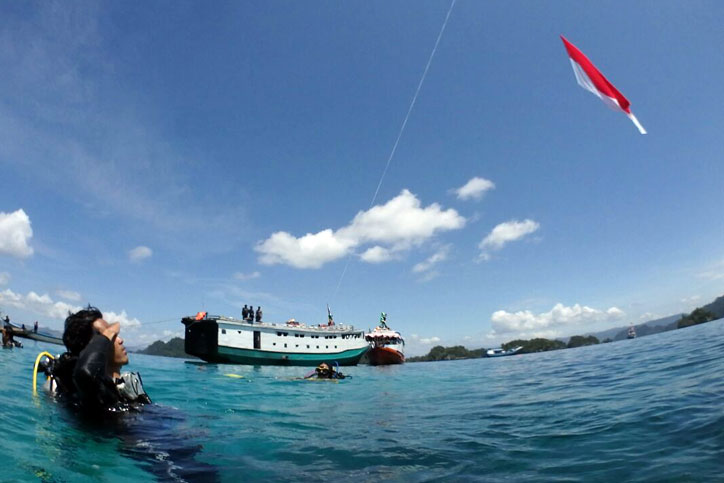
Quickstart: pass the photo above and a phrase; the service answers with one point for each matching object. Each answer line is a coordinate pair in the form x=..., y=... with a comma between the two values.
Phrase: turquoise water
x=649, y=409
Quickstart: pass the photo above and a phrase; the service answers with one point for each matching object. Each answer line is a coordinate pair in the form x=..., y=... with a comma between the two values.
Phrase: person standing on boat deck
x=258, y=314
x=244, y=312
x=35, y=327
x=383, y=320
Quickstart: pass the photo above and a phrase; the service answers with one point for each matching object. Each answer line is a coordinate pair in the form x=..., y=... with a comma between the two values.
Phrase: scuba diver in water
x=111, y=404
x=324, y=371
x=89, y=374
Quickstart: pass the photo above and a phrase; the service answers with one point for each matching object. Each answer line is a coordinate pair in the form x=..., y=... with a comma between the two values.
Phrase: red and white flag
x=592, y=80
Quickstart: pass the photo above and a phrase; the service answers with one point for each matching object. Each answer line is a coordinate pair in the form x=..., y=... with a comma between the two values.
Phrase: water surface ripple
x=649, y=409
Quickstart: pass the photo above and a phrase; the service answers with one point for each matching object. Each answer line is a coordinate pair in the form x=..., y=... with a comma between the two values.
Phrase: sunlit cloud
x=15, y=234
x=139, y=253
x=393, y=227
x=505, y=233
x=474, y=189
x=439, y=256
x=45, y=306
x=556, y=322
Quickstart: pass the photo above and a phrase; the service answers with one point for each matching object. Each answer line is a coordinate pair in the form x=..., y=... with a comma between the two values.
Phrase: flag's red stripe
x=598, y=79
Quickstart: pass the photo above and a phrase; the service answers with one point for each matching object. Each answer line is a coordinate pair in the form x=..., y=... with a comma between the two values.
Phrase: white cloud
x=716, y=272
x=139, y=253
x=309, y=251
x=4, y=278
x=560, y=319
x=123, y=318
x=506, y=232
x=435, y=258
x=15, y=233
x=170, y=334
x=475, y=188
x=376, y=254
x=37, y=304
x=429, y=340
x=399, y=224
x=246, y=276
x=68, y=295
x=691, y=300
x=425, y=340
x=45, y=306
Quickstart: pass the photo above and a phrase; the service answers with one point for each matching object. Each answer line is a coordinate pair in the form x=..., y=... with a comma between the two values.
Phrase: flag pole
x=636, y=122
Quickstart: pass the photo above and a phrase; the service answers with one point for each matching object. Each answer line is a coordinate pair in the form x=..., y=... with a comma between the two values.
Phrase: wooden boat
x=387, y=347
x=30, y=334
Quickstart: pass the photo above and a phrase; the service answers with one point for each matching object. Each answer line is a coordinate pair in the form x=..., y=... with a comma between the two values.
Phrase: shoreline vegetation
x=700, y=315
x=706, y=313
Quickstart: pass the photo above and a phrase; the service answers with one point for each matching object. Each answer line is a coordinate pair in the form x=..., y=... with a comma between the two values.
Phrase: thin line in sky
x=404, y=124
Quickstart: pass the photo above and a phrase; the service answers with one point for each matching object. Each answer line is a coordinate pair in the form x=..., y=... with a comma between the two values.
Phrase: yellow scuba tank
x=35, y=370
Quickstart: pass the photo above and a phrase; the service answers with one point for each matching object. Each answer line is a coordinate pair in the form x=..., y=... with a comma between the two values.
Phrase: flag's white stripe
x=586, y=82
x=636, y=122
x=582, y=79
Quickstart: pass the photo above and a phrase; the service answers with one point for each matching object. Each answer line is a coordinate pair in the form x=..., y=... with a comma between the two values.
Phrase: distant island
x=700, y=315
x=172, y=348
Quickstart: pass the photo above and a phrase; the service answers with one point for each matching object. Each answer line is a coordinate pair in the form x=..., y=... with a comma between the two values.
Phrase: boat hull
x=385, y=356
x=231, y=355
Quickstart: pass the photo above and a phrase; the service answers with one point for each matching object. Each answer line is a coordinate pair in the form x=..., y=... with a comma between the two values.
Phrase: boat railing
x=285, y=325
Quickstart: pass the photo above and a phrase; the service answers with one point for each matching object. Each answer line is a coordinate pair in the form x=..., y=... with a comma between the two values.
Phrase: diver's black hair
x=79, y=329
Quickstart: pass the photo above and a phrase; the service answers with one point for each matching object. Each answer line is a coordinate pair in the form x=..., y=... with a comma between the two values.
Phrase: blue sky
x=162, y=159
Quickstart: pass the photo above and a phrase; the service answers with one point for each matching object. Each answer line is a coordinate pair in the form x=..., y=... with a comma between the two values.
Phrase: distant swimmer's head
x=79, y=329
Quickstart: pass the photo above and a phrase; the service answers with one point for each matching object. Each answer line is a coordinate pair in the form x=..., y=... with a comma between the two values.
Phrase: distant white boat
x=631, y=333
x=501, y=352
x=220, y=339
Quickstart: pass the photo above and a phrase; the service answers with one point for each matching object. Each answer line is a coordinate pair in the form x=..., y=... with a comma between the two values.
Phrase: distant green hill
x=172, y=348
x=709, y=312
x=440, y=353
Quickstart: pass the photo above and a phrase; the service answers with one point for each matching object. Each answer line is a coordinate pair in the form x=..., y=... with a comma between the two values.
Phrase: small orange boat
x=387, y=347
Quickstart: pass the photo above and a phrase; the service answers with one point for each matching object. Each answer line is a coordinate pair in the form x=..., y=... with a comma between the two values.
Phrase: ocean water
x=648, y=409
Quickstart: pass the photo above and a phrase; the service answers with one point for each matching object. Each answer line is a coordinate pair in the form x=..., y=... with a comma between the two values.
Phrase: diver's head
x=79, y=329
x=119, y=356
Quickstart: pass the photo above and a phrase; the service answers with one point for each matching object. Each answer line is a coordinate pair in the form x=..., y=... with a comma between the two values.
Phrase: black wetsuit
x=148, y=433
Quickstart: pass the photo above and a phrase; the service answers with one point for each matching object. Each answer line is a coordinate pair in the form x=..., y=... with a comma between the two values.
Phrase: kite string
x=412, y=103
x=402, y=127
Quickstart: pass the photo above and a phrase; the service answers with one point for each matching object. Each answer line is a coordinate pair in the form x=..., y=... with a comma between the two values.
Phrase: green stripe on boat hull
x=232, y=355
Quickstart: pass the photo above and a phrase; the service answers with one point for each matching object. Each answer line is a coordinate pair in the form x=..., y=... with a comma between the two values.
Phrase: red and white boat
x=387, y=347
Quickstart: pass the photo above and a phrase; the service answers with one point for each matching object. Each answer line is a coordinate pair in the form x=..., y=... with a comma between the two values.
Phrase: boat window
x=223, y=331
x=285, y=344
x=296, y=345
x=238, y=332
x=326, y=347
x=307, y=346
x=317, y=347
x=274, y=343
x=335, y=347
